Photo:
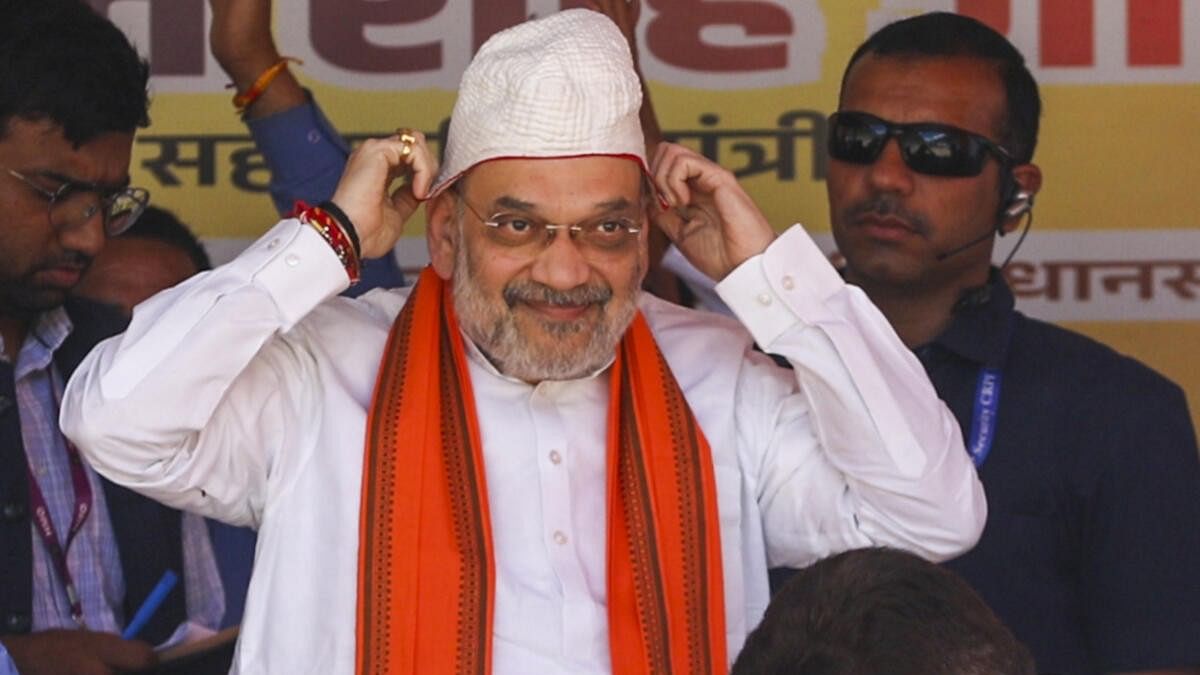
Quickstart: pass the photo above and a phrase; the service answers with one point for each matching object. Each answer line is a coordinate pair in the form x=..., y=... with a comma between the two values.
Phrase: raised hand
x=242, y=43
x=709, y=217
x=363, y=191
x=77, y=652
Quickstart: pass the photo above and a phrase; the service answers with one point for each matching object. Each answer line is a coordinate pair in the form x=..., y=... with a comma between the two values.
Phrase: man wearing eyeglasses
x=78, y=554
x=523, y=463
x=1088, y=458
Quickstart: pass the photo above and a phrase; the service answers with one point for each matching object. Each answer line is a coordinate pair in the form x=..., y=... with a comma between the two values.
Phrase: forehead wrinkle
x=510, y=202
x=615, y=204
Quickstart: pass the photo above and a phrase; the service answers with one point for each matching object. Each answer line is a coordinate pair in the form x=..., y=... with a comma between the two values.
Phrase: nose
x=561, y=265
x=86, y=237
x=889, y=173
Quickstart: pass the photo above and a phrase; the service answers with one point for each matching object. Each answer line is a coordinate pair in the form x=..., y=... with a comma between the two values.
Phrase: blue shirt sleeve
x=7, y=667
x=306, y=156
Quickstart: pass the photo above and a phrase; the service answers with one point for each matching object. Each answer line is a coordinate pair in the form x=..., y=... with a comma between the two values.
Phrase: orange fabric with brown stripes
x=426, y=571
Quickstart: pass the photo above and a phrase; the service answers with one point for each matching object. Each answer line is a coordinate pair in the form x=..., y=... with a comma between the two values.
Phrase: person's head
x=880, y=610
x=538, y=219
x=904, y=200
x=156, y=252
x=72, y=92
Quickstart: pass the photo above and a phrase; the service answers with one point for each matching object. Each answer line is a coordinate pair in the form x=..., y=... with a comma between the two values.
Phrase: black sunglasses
x=926, y=147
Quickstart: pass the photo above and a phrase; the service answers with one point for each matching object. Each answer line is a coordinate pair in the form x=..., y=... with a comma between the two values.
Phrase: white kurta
x=243, y=394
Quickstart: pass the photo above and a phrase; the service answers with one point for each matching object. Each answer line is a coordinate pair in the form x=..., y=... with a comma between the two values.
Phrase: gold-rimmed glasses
x=607, y=233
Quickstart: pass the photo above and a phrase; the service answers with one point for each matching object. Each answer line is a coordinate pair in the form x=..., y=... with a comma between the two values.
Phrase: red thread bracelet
x=334, y=234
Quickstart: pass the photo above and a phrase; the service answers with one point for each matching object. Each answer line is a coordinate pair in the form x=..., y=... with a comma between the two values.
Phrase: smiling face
x=555, y=309
x=891, y=222
x=41, y=261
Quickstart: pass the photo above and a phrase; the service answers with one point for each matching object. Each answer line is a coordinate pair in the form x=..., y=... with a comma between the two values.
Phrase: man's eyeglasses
x=74, y=204
x=605, y=234
x=928, y=148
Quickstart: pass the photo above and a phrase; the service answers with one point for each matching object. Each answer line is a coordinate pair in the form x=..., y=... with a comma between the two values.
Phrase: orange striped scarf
x=426, y=577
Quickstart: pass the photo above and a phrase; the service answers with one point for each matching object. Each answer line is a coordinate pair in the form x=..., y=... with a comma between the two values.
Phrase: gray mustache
x=529, y=291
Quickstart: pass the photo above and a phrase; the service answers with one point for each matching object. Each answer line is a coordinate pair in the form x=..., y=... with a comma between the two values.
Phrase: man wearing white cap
x=561, y=474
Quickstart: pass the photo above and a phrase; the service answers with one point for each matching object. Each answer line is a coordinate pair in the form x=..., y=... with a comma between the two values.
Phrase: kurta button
x=764, y=299
x=559, y=537
x=555, y=458
x=292, y=260
x=788, y=282
x=17, y=623
x=274, y=244
x=13, y=511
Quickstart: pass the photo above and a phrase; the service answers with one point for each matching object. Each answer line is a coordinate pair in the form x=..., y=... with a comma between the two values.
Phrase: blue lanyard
x=983, y=419
x=987, y=396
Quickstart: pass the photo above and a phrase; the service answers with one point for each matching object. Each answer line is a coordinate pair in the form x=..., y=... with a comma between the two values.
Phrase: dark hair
x=63, y=62
x=162, y=225
x=880, y=610
x=948, y=34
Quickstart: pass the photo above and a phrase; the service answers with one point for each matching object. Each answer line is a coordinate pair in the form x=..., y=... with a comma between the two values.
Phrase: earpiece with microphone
x=982, y=238
x=1020, y=204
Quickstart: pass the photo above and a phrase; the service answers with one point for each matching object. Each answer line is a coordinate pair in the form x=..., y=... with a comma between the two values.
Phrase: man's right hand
x=362, y=193
x=76, y=652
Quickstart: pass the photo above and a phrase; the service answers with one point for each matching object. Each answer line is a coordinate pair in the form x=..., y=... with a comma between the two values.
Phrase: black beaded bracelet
x=336, y=211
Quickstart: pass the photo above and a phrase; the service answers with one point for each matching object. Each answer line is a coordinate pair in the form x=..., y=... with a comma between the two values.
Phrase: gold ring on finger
x=407, y=139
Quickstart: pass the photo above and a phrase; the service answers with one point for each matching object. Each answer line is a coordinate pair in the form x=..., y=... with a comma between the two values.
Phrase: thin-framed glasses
x=607, y=233
x=926, y=147
x=74, y=204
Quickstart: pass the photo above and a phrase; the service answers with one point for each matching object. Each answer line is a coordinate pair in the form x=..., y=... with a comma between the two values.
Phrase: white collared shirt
x=243, y=394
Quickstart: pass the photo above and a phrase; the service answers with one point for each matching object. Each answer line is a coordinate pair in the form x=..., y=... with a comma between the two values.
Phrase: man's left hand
x=710, y=218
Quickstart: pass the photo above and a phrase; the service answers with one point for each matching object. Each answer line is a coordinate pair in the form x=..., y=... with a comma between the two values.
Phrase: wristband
x=334, y=234
x=245, y=99
x=347, y=224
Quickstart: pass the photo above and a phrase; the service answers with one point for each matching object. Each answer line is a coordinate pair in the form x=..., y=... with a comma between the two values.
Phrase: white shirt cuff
x=296, y=267
x=785, y=285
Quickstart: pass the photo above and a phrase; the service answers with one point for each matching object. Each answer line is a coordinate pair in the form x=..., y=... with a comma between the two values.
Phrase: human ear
x=1028, y=179
x=441, y=233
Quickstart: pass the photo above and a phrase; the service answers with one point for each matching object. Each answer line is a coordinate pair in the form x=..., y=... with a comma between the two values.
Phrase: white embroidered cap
x=561, y=86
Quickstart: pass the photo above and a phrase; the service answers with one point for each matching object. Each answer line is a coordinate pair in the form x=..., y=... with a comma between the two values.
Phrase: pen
x=150, y=605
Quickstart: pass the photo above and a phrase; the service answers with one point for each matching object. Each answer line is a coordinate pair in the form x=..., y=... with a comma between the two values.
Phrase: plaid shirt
x=93, y=559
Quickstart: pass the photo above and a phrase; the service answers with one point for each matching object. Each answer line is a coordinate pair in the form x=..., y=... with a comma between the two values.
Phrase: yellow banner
x=749, y=83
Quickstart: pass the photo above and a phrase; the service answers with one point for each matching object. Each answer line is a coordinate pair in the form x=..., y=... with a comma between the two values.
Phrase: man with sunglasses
x=78, y=554
x=1088, y=458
